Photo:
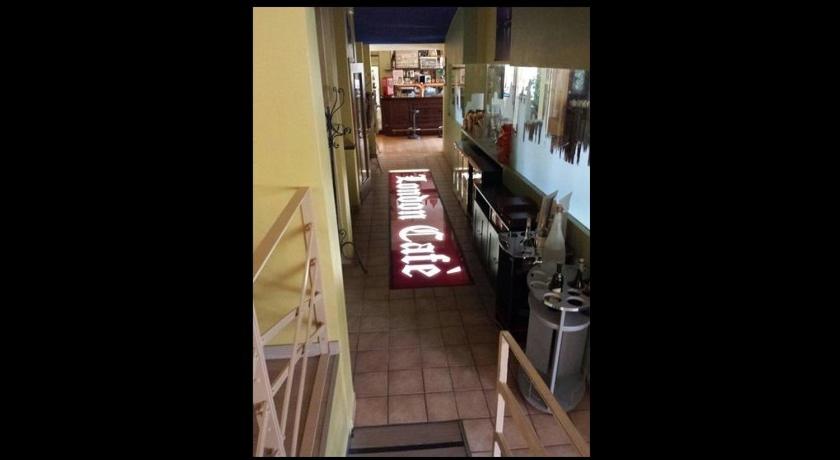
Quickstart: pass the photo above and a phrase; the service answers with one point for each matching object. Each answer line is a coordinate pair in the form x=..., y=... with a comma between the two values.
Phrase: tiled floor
x=429, y=354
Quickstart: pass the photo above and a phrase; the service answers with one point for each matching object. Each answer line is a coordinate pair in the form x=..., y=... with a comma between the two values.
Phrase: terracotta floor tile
x=473, y=317
x=434, y=357
x=445, y=303
x=479, y=335
x=402, y=322
x=465, y=378
x=459, y=355
x=471, y=404
x=488, y=375
x=374, y=324
x=471, y=303
x=377, y=293
x=581, y=421
x=353, y=294
x=405, y=382
x=453, y=335
x=379, y=282
x=369, y=384
x=548, y=430
x=406, y=409
x=372, y=341
x=441, y=406
x=354, y=308
x=424, y=293
x=428, y=320
x=405, y=358
x=464, y=291
x=436, y=380
x=371, y=361
x=375, y=308
x=430, y=338
x=371, y=411
x=484, y=354
x=567, y=450
x=513, y=435
x=584, y=403
x=404, y=339
x=449, y=318
x=402, y=294
x=403, y=306
x=479, y=434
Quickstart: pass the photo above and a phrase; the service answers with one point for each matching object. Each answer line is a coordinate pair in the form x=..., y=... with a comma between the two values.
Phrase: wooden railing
x=271, y=438
x=504, y=396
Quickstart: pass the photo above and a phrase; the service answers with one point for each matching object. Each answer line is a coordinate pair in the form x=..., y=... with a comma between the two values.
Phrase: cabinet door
x=493, y=251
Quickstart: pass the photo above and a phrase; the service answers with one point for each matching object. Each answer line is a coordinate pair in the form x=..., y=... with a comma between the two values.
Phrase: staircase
x=293, y=382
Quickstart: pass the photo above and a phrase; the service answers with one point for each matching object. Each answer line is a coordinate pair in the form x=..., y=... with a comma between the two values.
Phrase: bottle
x=557, y=279
x=554, y=248
x=577, y=282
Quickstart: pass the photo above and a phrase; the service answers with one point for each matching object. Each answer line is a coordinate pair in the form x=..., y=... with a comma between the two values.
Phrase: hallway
x=427, y=355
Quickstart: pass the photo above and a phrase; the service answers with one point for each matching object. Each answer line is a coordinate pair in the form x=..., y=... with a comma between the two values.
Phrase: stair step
x=438, y=439
x=441, y=452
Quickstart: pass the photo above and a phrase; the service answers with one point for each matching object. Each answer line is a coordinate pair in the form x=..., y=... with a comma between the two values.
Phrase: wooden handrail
x=504, y=395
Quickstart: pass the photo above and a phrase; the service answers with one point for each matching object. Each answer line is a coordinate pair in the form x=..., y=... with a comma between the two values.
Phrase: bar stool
x=412, y=132
x=375, y=156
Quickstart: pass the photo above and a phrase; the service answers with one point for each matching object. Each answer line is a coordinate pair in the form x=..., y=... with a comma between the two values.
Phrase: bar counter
x=396, y=114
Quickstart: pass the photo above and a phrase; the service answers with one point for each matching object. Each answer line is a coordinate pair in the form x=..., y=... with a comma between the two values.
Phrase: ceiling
x=402, y=25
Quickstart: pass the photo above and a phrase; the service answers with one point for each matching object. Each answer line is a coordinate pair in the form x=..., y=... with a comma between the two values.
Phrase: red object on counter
x=503, y=142
x=388, y=86
x=424, y=252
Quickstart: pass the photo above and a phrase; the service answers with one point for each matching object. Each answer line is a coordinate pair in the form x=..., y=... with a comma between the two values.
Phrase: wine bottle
x=577, y=282
x=557, y=279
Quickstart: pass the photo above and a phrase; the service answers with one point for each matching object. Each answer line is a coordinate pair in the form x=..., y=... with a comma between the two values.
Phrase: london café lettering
x=424, y=252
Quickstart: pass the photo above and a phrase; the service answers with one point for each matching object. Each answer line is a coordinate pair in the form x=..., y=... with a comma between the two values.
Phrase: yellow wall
x=290, y=149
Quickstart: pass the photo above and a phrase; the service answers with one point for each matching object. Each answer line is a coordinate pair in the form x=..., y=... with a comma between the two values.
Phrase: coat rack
x=334, y=131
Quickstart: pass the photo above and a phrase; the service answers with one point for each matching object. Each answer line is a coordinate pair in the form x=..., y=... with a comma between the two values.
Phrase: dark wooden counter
x=396, y=114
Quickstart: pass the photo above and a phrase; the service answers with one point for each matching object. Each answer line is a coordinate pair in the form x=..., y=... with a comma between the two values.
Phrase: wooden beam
x=278, y=228
x=499, y=439
x=285, y=321
x=522, y=422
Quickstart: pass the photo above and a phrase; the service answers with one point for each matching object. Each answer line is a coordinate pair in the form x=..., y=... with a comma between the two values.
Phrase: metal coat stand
x=334, y=131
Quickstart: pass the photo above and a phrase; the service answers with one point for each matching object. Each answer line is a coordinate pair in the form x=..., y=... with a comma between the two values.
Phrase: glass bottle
x=577, y=282
x=556, y=283
x=554, y=248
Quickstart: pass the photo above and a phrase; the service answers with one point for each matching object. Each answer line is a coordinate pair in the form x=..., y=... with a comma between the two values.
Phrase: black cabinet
x=512, y=309
x=493, y=211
